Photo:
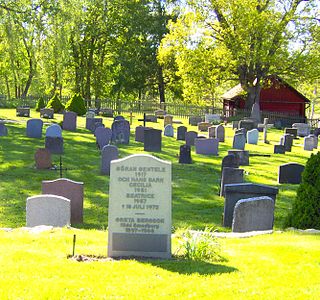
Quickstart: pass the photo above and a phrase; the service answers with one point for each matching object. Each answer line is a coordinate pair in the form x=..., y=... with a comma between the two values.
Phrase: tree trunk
x=87, y=90
x=253, y=96
x=161, y=87
x=7, y=86
x=29, y=81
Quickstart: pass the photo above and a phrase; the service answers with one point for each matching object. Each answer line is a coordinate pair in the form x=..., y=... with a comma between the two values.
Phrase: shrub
x=40, y=104
x=306, y=206
x=55, y=103
x=76, y=104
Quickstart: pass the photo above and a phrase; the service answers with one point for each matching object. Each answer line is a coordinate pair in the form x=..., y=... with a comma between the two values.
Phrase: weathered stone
x=54, y=144
x=303, y=129
x=34, y=128
x=287, y=141
x=239, y=141
x=42, y=158
x=242, y=156
x=290, y=173
x=23, y=112
x=47, y=113
x=212, y=132
x=185, y=155
x=230, y=176
x=194, y=120
x=108, y=153
x=209, y=118
x=190, y=137
x=120, y=132
x=139, y=133
x=220, y=133
x=231, y=161
x=308, y=143
x=292, y=131
x=181, y=133
x=160, y=113
x=69, y=121
x=168, y=119
x=206, y=146
x=279, y=149
x=203, y=126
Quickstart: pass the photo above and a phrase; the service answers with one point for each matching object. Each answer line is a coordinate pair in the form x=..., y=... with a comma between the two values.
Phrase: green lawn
x=35, y=266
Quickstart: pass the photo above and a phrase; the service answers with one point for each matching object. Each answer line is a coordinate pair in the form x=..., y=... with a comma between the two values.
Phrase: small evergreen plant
x=40, y=104
x=306, y=206
x=55, y=103
x=76, y=104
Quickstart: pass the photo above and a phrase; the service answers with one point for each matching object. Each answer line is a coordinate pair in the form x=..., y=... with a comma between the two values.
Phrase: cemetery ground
x=35, y=266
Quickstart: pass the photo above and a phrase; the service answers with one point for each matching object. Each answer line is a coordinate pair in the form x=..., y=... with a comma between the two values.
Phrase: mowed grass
x=35, y=266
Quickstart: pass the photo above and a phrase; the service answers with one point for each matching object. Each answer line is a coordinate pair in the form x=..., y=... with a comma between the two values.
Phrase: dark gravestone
x=139, y=133
x=69, y=121
x=206, y=146
x=292, y=131
x=235, y=124
x=107, y=112
x=103, y=136
x=194, y=120
x=108, y=153
x=287, y=141
x=54, y=144
x=151, y=118
x=239, y=141
x=290, y=173
x=190, y=137
x=230, y=176
x=95, y=126
x=152, y=140
x=240, y=131
x=316, y=131
x=253, y=214
x=230, y=161
x=23, y=112
x=54, y=131
x=185, y=155
x=91, y=123
x=181, y=133
x=247, y=124
x=47, y=113
x=117, y=118
x=234, y=192
x=42, y=158
x=69, y=189
x=242, y=155
x=3, y=130
x=34, y=128
x=120, y=132
x=279, y=149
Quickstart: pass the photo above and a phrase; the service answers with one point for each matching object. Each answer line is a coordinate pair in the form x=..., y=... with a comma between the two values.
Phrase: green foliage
x=40, y=104
x=76, y=104
x=199, y=245
x=55, y=103
x=306, y=206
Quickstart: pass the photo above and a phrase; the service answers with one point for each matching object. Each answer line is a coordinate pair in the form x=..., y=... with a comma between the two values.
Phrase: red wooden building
x=277, y=96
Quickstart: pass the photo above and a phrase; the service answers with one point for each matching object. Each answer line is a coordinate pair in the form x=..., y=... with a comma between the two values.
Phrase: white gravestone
x=139, y=220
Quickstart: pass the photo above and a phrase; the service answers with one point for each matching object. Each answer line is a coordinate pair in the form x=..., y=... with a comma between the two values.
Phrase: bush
x=40, y=104
x=306, y=206
x=55, y=103
x=76, y=104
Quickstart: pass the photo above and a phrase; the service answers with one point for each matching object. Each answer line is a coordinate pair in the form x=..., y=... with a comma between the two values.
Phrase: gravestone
x=234, y=192
x=194, y=120
x=209, y=118
x=253, y=214
x=152, y=118
x=308, y=143
x=23, y=112
x=139, y=217
x=315, y=140
x=92, y=123
x=203, y=126
x=103, y=136
x=42, y=158
x=290, y=173
x=160, y=113
x=181, y=133
x=139, y=133
x=241, y=131
x=152, y=140
x=316, y=132
x=185, y=155
x=220, y=133
x=239, y=141
x=279, y=149
x=168, y=131
x=190, y=137
x=255, y=112
x=206, y=146
x=54, y=144
x=34, y=128
x=107, y=112
x=168, y=119
x=242, y=155
x=235, y=124
x=3, y=130
x=48, y=210
x=212, y=132
x=117, y=118
x=47, y=113
x=247, y=125
x=230, y=176
x=69, y=121
x=303, y=129
x=253, y=136
x=292, y=131
x=54, y=130
x=231, y=161
x=120, y=132
x=108, y=153
x=95, y=126
x=287, y=140
x=69, y=189
x=90, y=114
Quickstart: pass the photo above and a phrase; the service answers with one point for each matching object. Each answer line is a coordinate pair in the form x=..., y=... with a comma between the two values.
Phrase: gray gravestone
x=103, y=136
x=206, y=146
x=139, y=133
x=315, y=140
x=117, y=118
x=303, y=129
x=253, y=214
x=42, y=158
x=168, y=131
x=246, y=125
x=152, y=140
x=220, y=133
x=203, y=126
x=69, y=189
x=185, y=155
x=3, y=130
x=34, y=128
x=308, y=143
x=231, y=161
x=69, y=121
x=181, y=133
x=47, y=113
x=167, y=119
x=292, y=131
x=54, y=130
x=242, y=155
x=253, y=136
x=48, y=210
x=212, y=132
x=209, y=118
x=54, y=144
x=287, y=141
x=234, y=192
x=230, y=176
x=93, y=123
x=23, y=112
x=120, y=132
x=139, y=220
x=255, y=112
x=194, y=120
x=108, y=153
x=290, y=173
x=239, y=141
x=279, y=149
x=190, y=137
